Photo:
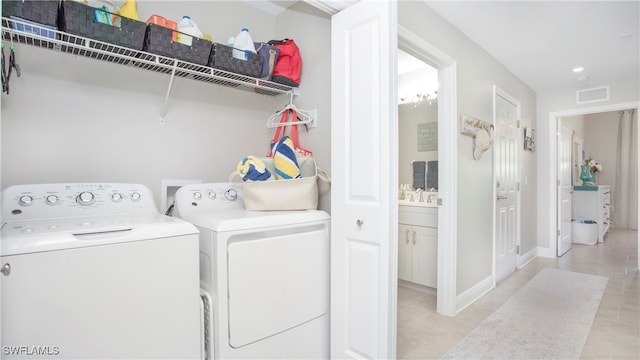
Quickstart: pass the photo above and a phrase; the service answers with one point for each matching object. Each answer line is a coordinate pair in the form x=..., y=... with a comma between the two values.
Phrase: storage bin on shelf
x=38, y=11
x=36, y=17
x=160, y=40
x=222, y=58
x=79, y=19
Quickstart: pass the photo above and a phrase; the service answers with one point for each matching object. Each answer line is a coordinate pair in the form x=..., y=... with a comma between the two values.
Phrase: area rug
x=549, y=318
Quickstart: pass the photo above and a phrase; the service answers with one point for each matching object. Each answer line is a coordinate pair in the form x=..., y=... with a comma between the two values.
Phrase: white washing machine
x=93, y=271
x=265, y=275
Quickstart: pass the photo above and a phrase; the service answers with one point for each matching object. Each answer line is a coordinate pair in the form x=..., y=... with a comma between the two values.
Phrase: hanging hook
x=290, y=98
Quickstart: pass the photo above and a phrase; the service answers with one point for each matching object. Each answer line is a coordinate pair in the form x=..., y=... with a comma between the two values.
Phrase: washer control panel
x=46, y=201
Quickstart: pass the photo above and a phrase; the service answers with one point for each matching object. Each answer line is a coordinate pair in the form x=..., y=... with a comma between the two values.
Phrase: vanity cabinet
x=593, y=203
x=418, y=245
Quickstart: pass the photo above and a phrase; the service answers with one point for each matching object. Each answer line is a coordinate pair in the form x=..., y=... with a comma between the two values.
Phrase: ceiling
x=542, y=41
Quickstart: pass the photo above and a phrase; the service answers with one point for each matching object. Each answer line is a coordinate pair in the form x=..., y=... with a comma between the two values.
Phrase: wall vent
x=592, y=95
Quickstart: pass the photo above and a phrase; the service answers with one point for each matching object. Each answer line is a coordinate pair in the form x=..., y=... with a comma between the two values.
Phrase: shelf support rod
x=166, y=98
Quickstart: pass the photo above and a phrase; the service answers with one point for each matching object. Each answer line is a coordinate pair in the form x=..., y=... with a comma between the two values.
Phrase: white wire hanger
x=304, y=116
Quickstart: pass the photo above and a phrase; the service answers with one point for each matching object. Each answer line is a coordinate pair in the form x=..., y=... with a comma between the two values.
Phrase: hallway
x=615, y=333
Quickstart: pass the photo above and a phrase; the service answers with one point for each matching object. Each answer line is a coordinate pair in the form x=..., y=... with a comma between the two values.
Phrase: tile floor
x=615, y=333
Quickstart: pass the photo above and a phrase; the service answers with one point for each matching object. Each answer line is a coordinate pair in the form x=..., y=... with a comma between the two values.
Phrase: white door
x=507, y=115
x=363, y=216
x=565, y=189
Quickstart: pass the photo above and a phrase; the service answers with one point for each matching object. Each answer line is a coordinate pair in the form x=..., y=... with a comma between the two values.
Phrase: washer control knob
x=212, y=195
x=231, y=195
x=197, y=195
x=85, y=198
x=135, y=197
x=52, y=199
x=25, y=200
x=116, y=197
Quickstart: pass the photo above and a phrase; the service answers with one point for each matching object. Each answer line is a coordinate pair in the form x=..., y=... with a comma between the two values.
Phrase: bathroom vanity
x=418, y=240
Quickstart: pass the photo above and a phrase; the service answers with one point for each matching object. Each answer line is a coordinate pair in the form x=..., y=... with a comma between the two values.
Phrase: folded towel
x=419, y=172
x=432, y=174
x=252, y=169
x=284, y=159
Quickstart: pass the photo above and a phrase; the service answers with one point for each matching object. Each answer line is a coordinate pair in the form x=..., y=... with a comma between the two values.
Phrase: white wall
x=621, y=92
x=78, y=119
x=477, y=73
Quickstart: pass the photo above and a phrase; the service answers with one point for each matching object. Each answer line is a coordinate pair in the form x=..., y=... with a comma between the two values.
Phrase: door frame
x=499, y=92
x=447, y=154
x=554, y=117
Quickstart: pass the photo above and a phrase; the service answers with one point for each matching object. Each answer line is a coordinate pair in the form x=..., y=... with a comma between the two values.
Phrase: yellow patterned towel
x=284, y=159
x=253, y=169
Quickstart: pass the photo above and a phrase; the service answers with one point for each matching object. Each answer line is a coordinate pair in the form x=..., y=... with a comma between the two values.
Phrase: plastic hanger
x=304, y=117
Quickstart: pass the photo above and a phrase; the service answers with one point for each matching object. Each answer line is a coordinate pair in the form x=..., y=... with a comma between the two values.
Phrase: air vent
x=592, y=95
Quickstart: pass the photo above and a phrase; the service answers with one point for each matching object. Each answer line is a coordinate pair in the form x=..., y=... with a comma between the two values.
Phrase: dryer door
x=277, y=280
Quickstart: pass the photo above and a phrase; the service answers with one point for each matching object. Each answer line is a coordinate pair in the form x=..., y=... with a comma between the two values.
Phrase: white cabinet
x=418, y=245
x=593, y=203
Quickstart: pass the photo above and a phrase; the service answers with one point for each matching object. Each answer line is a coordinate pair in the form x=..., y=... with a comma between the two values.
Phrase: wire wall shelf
x=28, y=33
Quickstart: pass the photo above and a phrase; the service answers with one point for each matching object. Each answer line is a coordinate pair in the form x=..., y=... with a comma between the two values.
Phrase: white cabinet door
x=405, y=249
x=364, y=133
x=425, y=255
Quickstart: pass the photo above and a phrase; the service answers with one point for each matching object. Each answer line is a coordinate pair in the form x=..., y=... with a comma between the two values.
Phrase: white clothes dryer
x=93, y=271
x=265, y=275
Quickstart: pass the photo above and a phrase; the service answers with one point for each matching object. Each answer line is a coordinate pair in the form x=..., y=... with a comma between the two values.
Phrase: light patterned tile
x=615, y=330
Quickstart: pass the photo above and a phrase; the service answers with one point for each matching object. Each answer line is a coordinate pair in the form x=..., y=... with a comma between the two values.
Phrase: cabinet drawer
x=413, y=215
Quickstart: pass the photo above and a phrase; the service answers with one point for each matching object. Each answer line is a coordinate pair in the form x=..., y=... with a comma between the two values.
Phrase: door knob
x=6, y=269
x=501, y=197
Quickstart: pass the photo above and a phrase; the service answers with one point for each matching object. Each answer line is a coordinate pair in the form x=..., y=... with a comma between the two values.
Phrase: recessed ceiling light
x=578, y=69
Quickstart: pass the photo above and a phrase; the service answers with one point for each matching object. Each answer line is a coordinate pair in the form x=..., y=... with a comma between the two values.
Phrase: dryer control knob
x=231, y=195
x=25, y=200
x=116, y=197
x=135, y=197
x=197, y=195
x=52, y=199
x=212, y=195
x=85, y=198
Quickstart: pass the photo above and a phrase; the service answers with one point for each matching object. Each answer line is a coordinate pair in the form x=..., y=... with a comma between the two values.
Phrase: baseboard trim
x=474, y=293
x=546, y=252
x=526, y=258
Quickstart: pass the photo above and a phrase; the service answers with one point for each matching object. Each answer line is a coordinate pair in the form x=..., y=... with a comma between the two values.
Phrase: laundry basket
x=584, y=232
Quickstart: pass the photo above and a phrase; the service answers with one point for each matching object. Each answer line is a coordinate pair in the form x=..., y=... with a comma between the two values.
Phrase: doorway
x=417, y=208
x=448, y=163
x=554, y=119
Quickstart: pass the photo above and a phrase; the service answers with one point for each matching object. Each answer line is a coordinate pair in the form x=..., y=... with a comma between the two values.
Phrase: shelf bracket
x=166, y=98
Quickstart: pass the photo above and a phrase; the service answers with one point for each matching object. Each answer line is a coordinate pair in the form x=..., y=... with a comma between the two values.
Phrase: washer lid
x=240, y=219
x=24, y=237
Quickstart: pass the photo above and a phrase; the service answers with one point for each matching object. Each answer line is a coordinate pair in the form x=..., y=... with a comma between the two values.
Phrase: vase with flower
x=594, y=168
x=585, y=175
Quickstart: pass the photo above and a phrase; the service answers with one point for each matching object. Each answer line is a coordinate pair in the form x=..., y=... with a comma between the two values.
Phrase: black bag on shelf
x=269, y=55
